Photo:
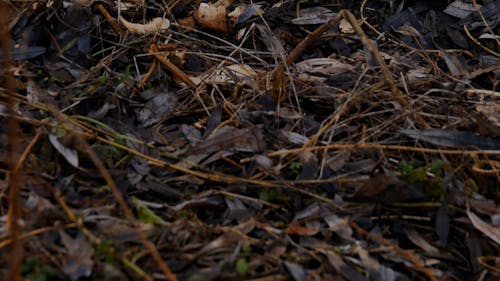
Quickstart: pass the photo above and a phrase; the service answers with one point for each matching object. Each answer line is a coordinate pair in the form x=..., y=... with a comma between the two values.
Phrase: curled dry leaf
x=235, y=14
x=242, y=13
x=187, y=22
x=223, y=3
x=324, y=66
x=212, y=16
x=69, y=154
x=234, y=73
x=346, y=27
x=315, y=15
x=296, y=228
x=155, y=25
x=460, y=9
x=490, y=111
x=230, y=74
x=493, y=232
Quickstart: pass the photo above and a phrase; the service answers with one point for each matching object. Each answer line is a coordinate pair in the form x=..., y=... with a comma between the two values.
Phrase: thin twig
x=14, y=215
x=121, y=201
x=278, y=73
x=171, y=67
x=110, y=20
x=355, y=146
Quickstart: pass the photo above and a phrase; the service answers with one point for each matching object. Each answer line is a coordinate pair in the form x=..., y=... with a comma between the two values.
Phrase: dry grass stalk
x=15, y=214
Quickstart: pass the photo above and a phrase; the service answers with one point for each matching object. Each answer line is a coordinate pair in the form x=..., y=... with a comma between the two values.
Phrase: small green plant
x=145, y=214
x=437, y=166
x=102, y=79
x=184, y=213
x=295, y=168
x=412, y=174
x=126, y=75
x=427, y=178
x=35, y=270
x=242, y=266
x=269, y=194
x=105, y=249
x=105, y=188
x=69, y=45
x=109, y=154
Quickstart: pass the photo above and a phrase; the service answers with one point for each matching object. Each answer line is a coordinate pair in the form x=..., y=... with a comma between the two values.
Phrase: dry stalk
x=14, y=214
x=336, y=116
x=383, y=147
x=110, y=20
x=278, y=73
x=171, y=67
x=34, y=232
x=145, y=79
x=374, y=50
x=496, y=54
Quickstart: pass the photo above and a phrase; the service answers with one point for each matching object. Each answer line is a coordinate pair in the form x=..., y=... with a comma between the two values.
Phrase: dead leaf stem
x=153, y=49
x=15, y=255
x=110, y=20
x=354, y=146
x=376, y=54
x=278, y=73
x=145, y=79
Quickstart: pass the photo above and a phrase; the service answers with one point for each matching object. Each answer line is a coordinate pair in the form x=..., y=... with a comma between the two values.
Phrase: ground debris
x=227, y=140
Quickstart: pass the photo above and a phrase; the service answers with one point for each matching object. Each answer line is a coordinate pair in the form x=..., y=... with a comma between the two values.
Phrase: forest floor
x=279, y=140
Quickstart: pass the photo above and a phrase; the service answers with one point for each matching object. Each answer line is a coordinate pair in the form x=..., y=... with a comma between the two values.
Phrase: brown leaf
x=295, y=228
x=155, y=25
x=309, y=165
x=212, y=16
x=387, y=189
x=247, y=140
x=79, y=253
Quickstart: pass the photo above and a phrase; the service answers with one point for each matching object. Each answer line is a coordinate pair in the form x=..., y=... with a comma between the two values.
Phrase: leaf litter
x=284, y=140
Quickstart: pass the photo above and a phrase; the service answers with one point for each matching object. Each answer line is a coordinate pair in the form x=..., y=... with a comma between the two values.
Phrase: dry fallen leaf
x=212, y=16
x=295, y=228
x=487, y=229
x=155, y=25
x=346, y=27
x=69, y=154
x=229, y=75
x=324, y=66
x=79, y=252
x=460, y=9
x=387, y=189
x=490, y=111
x=314, y=15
